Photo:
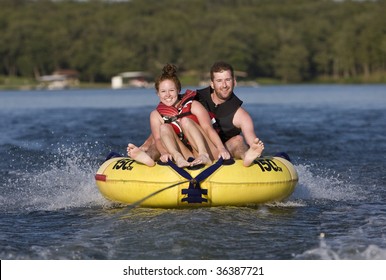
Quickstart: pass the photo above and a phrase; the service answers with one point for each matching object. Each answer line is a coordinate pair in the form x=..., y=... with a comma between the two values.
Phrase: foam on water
x=345, y=251
x=66, y=180
x=316, y=183
x=361, y=242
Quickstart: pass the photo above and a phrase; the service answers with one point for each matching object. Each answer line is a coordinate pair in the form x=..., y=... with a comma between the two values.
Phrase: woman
x=180, y=126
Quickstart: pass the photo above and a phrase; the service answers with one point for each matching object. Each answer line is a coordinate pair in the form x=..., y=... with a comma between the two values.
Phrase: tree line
x=294, y=41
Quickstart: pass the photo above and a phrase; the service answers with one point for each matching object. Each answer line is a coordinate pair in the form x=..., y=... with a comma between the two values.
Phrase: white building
x=60, y=79
x=132, y=79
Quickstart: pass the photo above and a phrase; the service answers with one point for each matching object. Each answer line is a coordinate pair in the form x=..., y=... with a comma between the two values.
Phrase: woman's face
x=168, y=93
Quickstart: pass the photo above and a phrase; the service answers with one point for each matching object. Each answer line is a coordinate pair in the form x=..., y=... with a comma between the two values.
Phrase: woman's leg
x=197, y=140
x=174, y=146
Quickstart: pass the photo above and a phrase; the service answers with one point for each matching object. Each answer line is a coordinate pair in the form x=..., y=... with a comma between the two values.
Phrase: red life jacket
x=171, y=114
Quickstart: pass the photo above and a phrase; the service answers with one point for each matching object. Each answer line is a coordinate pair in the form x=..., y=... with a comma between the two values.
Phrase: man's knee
x=236, y=141
x=236, y=146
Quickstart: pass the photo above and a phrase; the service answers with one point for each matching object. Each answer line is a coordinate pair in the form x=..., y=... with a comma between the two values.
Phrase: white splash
x=345, y=251
x=315, y=183
x=66, y=182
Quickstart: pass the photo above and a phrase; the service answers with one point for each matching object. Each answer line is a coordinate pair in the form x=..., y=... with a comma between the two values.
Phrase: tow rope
x=194, y=192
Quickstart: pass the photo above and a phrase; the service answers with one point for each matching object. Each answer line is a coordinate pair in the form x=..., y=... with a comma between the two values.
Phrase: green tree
x=295, y=41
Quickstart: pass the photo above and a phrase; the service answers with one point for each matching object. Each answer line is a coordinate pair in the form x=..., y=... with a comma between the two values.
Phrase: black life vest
x=223, y=113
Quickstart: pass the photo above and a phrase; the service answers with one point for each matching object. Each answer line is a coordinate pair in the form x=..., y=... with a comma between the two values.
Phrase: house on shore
x=136, y=79
x=60, y=79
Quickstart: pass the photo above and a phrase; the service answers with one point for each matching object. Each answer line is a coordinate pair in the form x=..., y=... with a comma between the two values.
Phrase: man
x=230, y=118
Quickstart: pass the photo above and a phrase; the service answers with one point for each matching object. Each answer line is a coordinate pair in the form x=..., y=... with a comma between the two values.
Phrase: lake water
x=52, y=143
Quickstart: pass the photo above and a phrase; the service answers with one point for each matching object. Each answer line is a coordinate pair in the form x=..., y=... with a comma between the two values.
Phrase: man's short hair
x=220, y=66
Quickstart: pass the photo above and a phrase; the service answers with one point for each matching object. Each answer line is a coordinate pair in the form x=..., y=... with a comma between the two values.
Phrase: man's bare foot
x=201, y=159
x=253, y=152
x=181, y=161
x=138, y=155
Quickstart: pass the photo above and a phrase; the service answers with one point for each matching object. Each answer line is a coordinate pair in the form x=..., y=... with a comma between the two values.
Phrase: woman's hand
x=165, y=157
x=222, y=152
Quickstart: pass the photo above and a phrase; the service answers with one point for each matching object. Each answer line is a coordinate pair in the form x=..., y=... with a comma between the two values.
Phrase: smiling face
x=223, y=84
x=168, y=92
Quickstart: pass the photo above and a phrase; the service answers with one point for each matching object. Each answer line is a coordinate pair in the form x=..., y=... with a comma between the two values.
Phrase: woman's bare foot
x=253, y=152
x=181, y=161
x=138, y=155
x=201, y=159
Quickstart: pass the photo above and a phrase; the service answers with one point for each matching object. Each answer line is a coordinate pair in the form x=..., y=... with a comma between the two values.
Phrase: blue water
x=52, y=143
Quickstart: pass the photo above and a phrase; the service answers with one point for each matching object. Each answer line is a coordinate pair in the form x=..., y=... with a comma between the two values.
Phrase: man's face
x=223, y=84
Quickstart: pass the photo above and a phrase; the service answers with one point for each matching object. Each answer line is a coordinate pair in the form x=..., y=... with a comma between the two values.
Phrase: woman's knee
x=166, y=128
x=186, y=123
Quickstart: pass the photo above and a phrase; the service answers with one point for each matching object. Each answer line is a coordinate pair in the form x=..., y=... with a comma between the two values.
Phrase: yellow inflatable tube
x=124, y=180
